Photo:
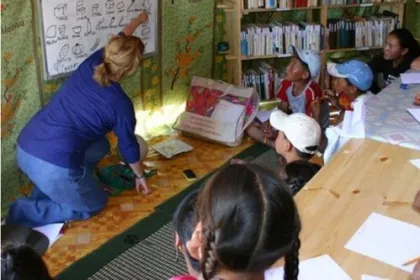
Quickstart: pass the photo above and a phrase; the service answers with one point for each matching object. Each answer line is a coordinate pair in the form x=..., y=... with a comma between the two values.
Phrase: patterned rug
x=146, y=251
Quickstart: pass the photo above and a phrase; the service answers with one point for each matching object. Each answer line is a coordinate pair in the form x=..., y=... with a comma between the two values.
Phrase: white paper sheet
x=319, y=268
x=415, y=113
x=51, y=231
x=226, y=111
x=263, y=116
x=410, y=78
x=415, y=162
x=370, y=277
x=171, y=148
x=388, y=240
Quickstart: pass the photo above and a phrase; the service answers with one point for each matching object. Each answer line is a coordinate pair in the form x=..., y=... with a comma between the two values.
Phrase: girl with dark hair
x=22, y=263
x=298, y=173
x=247, y=220
x=400, y=50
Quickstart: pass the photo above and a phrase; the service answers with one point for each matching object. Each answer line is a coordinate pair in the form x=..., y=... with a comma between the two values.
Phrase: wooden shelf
x=352, y=49
x=243, y=58
x=262, y=10
x=366, y=5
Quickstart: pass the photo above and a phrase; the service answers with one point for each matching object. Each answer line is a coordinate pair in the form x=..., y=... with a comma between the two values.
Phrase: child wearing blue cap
x=351, y=79
x=298, y=93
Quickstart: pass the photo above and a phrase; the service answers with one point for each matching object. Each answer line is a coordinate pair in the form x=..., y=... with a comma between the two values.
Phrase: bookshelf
x=235, y=11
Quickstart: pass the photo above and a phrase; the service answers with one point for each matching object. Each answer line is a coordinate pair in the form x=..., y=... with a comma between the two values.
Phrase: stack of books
x=265, y=80
x=359, y=33
x=278, y=4
x=274, y=39
x=349, y=2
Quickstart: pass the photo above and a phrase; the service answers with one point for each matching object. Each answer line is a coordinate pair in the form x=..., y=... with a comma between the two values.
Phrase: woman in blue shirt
x=61, y=145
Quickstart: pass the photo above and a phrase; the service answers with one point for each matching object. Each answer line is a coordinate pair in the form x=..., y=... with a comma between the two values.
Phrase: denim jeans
x=59, y=194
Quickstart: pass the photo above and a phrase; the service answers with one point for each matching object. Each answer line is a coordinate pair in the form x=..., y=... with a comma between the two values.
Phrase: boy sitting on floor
x=298, y=93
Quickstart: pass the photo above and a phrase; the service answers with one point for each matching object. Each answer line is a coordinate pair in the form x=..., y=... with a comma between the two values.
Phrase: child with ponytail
x=247, y=220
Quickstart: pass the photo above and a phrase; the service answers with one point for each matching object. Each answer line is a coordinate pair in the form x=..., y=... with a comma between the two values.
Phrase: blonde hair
x=122, y=56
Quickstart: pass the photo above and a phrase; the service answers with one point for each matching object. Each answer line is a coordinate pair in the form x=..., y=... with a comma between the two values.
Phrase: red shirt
x=311, y=93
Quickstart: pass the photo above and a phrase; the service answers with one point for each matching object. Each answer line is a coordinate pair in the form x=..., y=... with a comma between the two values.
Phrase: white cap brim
x=278, y=119
x=332, y=70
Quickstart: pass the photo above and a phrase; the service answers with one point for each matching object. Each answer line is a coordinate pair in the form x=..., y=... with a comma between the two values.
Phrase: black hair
x=249, y=220
x=184, y=224
x=407, y=41
x=21, y=262
x=299, y=172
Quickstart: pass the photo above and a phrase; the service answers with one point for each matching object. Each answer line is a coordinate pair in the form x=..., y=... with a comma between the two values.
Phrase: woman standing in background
x=60, y=146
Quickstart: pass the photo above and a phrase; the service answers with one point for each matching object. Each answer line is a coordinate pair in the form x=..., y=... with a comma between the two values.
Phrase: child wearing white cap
x=299, y=135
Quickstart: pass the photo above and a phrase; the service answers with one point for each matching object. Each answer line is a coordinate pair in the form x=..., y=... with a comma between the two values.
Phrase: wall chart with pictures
x=73, y=29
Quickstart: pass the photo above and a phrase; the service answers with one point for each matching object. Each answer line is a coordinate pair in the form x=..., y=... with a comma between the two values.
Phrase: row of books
x=371, y=32
x=275, y=38
x=289, y=4
x=281, y=4
x=265, y=80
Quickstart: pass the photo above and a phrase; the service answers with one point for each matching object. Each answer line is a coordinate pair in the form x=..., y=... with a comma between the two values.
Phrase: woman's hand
x=142, y=186
x=142, y=18
x=132, y=26
x=417, y=99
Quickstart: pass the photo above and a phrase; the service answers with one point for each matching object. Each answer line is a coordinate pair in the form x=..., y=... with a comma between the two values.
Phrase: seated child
x=184, y=224
x=298, y=93
x=298, y=173
x=298, y=138
x=247, y=220
x=21, y=262
x=350, y=80
x=400, y=50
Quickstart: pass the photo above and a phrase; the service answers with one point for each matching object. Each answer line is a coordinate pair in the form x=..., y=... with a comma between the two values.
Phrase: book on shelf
x=277, y=4
x=359, y=32
x=348, y=2
x=265, y=79
x=274, y=39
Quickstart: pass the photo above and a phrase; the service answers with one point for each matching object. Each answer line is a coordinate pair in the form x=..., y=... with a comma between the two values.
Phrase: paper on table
x=319, y=268
x=51, y=231
x=226, y=111
x=370, y=277
x=410, y=78
x=263, y=116
x=415, y=162
x=415, y=113
x=388, y=240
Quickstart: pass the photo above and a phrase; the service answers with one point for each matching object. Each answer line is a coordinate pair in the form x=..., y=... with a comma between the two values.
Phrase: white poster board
x=74, y=29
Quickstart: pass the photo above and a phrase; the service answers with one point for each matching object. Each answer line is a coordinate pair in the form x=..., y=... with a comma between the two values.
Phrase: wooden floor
x=81, y=238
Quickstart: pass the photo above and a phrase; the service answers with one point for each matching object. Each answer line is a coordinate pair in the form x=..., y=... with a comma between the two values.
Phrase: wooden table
x=364, y=177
